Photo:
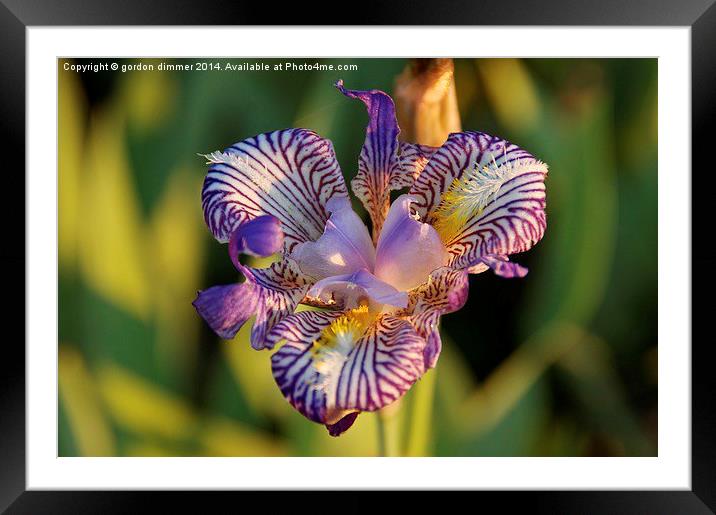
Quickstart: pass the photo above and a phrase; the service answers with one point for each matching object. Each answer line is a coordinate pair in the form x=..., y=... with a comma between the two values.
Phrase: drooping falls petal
x=349, y=291
x=501, y=265
x=407, y=249
x=226, y=308
x=268, y=293
x=345, y=245
x=484, y=195
x=333, y=365
x=445, y=291
x=289, y=174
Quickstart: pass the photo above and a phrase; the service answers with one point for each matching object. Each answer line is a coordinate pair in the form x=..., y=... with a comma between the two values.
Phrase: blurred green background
x=561, y=363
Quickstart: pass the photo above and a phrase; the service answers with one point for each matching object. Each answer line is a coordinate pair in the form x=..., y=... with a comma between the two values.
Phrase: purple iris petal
x=289, y=174
x=226, y=308
x=504, y=185
x=378, y=158
x=260, y=237
x=345, y=245
x=445, y=292
x=503, y=267
x=407, y=250
x=348, y=290
x=343, y=424
x=330, y=381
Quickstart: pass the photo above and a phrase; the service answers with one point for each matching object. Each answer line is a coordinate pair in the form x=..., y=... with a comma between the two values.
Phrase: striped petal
x=484, y=195
x=411, y=162
x=445, y=292
x=278, y=289
x=384, y=164
x=501, y=265
x=289, y=174
x=333, y=365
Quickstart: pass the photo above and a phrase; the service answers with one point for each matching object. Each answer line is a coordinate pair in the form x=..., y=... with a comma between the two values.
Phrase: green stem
x=388, y=432
x=421, y=416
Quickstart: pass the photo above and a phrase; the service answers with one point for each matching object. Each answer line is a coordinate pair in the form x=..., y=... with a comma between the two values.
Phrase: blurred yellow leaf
x=511, y=92
x=112, y=255
x=71, y=113
x=78, y=394
x=175, y=238
x=142, y=407
x=222, y=437
x=149, y=96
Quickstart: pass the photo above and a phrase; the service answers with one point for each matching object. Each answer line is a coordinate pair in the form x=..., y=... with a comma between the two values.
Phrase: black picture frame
x=17, y=15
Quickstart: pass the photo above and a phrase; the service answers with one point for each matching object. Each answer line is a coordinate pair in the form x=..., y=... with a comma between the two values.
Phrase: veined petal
x=351, y=290
x=445, y=291
x=378, y=158
x=344, y=247
x=502, y=266
x=332, y=366
x=484, y=195
x=411, y=162
x=227, y=308
x=279, y=289
x=407, y=249
x=289, y=174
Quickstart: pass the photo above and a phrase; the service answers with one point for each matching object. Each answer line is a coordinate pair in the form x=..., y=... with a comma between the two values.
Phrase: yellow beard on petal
x=330, y=352
x=467, y=196
x=336, y=341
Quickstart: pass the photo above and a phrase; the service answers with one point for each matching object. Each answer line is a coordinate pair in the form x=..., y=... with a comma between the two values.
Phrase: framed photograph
x=395, y=257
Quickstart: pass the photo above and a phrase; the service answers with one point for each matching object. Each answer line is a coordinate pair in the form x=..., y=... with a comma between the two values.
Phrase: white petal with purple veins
x=289, y=174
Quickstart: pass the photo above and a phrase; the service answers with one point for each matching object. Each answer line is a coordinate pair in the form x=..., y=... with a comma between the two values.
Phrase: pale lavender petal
x=227, y=308
x=407, y=250
x=350, y=290
x=367, y=366
x=344, y=247
x=289, y=174
x=484, y=195
x=378, y=158
x=503, y=267
x=260, y=237
x=445, y=292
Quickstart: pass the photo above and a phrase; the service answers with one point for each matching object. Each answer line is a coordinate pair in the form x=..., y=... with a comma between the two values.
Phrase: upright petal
x=446, y=291
x=378, y=158
x=334, y=366
x=344, y=247
x=289, y=174
x=407, y=250
x=484, y=195
x=351, y=290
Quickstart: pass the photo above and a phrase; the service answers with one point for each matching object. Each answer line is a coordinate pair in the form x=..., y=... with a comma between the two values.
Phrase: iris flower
x=469, y=204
